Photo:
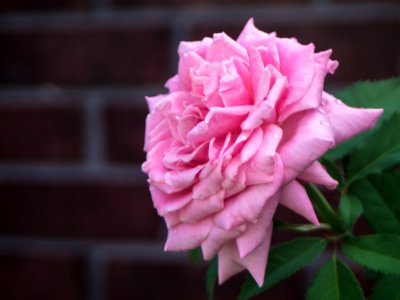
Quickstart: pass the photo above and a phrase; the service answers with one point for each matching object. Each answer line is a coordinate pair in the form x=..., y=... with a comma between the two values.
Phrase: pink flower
x=243, y=124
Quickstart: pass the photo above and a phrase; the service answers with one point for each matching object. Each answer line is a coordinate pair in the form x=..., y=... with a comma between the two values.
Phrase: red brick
x=106, y=211
x=125, y=133
x=42, y=133
x=39, y=277
x=84, y=56
x=40, y=5
x=201, y=3
x=130, y=280
x=364, y=50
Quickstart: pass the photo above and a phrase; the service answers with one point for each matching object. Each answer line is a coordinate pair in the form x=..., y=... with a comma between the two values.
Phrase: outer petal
x=306, y=137
x=256, y=261
x=187, y=236
x=223, y=48
x=217, y=238
x=257, y=233
x=316, y=173
x=294, y=197
x=196, y=209
x=165, y=203
x=347, y=121
x=229, y=262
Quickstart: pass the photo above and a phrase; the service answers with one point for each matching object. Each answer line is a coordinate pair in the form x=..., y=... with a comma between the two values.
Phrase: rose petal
x=265, y=42
x=227, y=262
x=217, y=238
x=316, y=173
x=295, y=197
x=209, y=185
x=223, y=48
x=257, y=233
x=181, y=179
x=306, y=137
x=297, y=64
x=187, y=62
x=260, y=76
x=347, y=121
x=165, y=203
x=312, y=97
x=252, y=145
x=238, y=209
x=196, y=209
x=187, y=236
x=219, y=121
x=199, y=47
x=260, y=168
x=256, y=261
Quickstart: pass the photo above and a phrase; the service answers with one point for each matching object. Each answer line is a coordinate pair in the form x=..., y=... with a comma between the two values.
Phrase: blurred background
x=76, y=219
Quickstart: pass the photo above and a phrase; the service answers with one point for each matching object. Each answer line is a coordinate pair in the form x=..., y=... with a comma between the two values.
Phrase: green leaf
x=378, y=252
x=350, y=209
x=211, y=277
x=378, y=94
x=334, y=171
x=283, y=261
x=335, y=281
x=387, y=288
x=380, y=152
x=380, y=197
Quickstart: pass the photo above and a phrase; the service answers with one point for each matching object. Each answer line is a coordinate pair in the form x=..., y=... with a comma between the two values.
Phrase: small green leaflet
x=377, y=94
x=378, y=252
x=335, y=281
x=387, y=288
x=350, y=209
x=380, y=197
x=211, y=277
x=283, y=261
x=380, y=152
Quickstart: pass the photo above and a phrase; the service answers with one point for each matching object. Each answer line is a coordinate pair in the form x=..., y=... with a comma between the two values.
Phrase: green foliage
x=335, y=281
x=378, y=94
x=283, y=261
x=380, y=198
x=350, y=209
x=378, y=252
x=211, y=277
x=387, y=287
x=380, y=152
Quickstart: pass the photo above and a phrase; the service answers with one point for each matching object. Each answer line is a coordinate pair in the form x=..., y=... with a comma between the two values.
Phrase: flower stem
x=325, y=210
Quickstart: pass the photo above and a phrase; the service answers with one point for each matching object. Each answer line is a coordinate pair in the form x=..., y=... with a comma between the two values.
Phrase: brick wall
x=76, y=220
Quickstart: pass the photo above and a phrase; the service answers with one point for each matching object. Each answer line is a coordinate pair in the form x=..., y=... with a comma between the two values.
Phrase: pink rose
x=243, y=124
